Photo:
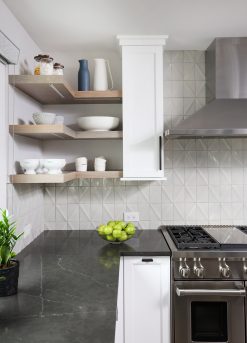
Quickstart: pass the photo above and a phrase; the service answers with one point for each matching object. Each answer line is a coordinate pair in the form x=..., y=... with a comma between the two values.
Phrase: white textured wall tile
x=61, y=213
x=206, y=178
x=84, y=195
x=73, y=212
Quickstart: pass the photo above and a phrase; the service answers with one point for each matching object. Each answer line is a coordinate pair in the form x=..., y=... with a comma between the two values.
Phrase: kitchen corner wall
x=25, y=202
x=206, y=178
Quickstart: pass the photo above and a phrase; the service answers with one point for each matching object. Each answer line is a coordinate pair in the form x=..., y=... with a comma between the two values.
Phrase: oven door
x=209, y=311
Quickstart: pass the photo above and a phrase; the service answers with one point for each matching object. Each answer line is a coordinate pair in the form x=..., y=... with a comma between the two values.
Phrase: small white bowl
x=54, y=166
x=44, y=118
x=29, y=166
x=41, y=169
x=98, y=123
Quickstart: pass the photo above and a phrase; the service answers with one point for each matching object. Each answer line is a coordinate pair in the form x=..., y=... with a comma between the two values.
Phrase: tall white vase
x=100, y=74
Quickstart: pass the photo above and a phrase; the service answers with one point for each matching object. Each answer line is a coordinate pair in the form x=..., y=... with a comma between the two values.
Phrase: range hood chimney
x=225, y=114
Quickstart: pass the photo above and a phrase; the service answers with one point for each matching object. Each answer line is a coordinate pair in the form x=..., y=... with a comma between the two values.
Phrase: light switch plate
x=131, y=216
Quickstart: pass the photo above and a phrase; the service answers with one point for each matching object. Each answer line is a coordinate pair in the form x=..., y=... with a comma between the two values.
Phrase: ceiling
x=62, y=25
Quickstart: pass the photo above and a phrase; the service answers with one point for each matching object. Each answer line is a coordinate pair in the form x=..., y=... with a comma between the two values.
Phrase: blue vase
x=83, y=76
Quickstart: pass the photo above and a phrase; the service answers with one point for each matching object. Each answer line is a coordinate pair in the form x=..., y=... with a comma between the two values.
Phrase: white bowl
x=53, y=165
x=97, y=123
x=29, y=166
x=44, y=118
x=41, y=169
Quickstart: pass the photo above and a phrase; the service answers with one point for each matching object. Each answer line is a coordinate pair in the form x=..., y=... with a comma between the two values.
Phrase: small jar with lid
x=58, y=69
x=37, y=64
x=46, y=65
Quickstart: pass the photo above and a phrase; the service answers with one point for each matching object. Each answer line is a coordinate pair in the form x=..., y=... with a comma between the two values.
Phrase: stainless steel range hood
x=225, y=114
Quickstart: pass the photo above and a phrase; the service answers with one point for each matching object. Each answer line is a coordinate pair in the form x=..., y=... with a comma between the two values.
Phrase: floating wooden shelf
x=65, y=177
x=45, y=132
x=55, y=90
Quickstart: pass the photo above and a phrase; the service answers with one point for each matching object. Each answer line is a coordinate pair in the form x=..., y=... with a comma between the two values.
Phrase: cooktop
x=197, y=237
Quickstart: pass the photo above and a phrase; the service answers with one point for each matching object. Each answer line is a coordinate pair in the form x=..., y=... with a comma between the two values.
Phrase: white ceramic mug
x=81, y=164
x=100, y=163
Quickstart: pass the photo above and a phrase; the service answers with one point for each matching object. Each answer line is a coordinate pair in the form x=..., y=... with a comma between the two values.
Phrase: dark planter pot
x=9, y=280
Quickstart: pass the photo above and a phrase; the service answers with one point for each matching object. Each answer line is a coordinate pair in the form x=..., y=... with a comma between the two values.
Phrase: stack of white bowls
x=46, y=118
x=51, y=166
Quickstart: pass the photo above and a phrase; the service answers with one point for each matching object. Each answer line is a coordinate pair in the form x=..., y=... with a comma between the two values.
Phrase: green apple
x=117, y=227
x=130, y=225
x=101, y=230
x=110, y=238
x=130, y=230
x=116, y=233
x=111, y=223
x=108, y=230
x=123, y=224
x=123, y=236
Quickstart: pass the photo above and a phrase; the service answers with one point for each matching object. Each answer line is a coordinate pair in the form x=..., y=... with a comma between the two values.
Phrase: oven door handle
x=218, y=292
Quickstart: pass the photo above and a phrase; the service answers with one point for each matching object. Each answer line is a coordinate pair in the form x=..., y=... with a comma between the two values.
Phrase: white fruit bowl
x=98, y=123
x=44, y=118
x=54, y=166
x=29, y=166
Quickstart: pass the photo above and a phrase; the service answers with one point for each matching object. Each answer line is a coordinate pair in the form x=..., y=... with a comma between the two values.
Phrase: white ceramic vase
x=100, y=82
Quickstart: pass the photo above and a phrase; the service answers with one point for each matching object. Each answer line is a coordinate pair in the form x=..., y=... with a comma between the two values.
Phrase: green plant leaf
x=8, y=237
x=5, y=254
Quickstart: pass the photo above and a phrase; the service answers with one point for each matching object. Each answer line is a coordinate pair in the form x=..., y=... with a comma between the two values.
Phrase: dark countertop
x=68, y=287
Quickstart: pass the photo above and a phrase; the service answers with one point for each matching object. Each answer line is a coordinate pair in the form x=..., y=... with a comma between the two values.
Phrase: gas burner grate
x=192, y=237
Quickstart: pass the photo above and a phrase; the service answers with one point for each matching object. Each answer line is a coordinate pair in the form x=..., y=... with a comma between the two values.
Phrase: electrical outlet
x=131, y=216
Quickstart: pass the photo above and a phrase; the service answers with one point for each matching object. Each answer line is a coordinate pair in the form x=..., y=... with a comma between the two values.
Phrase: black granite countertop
x=68, y=287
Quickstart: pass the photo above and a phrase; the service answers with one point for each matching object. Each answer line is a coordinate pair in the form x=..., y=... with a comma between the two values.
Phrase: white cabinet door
x=147, y=299
x=142, y=82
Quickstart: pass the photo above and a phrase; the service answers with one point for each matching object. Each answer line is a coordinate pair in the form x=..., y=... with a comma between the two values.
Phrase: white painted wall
x=26, y=203
x=3, y=128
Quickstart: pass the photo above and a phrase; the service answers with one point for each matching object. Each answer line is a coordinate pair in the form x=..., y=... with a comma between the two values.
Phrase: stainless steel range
x=209, y=281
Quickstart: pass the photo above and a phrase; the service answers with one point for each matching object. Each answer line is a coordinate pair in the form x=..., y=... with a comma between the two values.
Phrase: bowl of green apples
x=116, y=232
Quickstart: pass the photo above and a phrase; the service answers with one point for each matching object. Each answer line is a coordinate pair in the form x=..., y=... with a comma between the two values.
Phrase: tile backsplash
x=26, y=204
x=206, y=178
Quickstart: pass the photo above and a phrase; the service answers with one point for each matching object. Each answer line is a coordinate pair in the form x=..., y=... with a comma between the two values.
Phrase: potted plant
x=9, y=267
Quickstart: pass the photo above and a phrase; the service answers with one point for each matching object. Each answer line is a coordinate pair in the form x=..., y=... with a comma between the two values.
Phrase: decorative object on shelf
x=54, y=165
x=100, y=164
x=81, y=164
x=46, y=65
x=98, y=123
x=29, y=166
x=37, y=64
x=83, y=76
x=9, y=267
x=116, y=231
x=59, y=120
x=58, y=69
x=44, y=118
x=41, y=168
x=100, y=82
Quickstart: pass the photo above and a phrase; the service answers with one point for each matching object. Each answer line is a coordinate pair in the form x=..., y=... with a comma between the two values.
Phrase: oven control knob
x=184, y=269
x=224, y=269
x=198, y=268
